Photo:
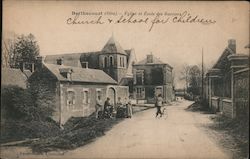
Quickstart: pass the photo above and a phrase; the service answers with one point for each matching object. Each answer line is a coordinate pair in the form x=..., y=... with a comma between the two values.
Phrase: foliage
x=195, y=80
x=14, y=130
x=78, y=131
x=21, y=104
x=17, y=103
x=19, y=49
x=24, y=115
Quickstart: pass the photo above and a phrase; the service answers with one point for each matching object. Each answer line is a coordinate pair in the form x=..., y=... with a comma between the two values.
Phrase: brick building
x=152, y=77
x=227, y=83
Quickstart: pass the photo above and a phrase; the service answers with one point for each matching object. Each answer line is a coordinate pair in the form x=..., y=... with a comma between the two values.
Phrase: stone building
x=72, y=91
x=152, y=77
x=227, y=83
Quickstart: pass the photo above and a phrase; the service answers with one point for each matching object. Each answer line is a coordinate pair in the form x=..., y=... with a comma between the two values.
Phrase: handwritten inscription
x=148, y=18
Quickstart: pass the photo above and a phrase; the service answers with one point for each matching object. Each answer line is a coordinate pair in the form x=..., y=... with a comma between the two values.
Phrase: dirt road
x=179, y=136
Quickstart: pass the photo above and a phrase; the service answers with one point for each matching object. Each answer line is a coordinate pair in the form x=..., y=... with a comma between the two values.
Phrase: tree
x=19, y=49
x=195, y=80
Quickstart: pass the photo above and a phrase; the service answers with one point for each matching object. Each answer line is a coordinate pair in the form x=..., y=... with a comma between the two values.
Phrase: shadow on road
x=198, y=107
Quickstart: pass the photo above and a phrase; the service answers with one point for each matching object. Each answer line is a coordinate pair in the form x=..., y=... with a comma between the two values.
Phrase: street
x=179, y=135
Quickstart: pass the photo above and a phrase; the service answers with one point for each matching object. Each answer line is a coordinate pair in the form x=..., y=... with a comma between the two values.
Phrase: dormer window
x=66, y=72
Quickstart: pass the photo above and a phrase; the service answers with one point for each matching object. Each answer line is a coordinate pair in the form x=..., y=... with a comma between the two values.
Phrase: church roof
x=113, y=46
x=81, y=74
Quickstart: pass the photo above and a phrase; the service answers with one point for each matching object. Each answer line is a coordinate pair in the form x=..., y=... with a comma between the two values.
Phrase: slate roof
x=15, y=77
x=72, y=59
x=113, y=46
x=156, y=61
x=81, y=74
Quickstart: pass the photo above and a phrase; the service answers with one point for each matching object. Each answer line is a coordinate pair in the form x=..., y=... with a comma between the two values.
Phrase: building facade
x=152, y=77
x=72, y=91
x=226, y=80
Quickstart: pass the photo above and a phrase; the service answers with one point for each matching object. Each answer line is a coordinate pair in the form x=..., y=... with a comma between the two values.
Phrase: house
x=72, y=91
x=15, y=77
x=112, y=59
x=151, y=77
x=227, y=83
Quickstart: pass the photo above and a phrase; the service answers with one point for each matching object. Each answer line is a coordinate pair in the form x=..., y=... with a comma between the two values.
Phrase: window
x=84, y=64
x=140, y=93
x=85, y=97
x=98, y=92
x=105, y=62
x=120, y=61
x=70, y=98
x=139, y=77
x=157, y=76
x=111, y=61
x=124, y=61
x=123, y=64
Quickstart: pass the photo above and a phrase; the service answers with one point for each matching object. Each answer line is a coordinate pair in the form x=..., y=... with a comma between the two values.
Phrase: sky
x=174, y=43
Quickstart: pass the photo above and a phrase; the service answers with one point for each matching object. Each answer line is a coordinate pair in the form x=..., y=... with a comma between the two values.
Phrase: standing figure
x=98, y=106
x=158, y=104
x=129, y=109
x=108, y=108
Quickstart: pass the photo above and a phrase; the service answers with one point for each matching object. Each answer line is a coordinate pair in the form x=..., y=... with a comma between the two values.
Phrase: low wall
x=227, y=107
x=215, y=104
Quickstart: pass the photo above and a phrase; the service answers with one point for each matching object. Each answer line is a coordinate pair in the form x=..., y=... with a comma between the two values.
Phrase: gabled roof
x=81, y=74
x=221, y=62
x=11, y=76
x=113, y=46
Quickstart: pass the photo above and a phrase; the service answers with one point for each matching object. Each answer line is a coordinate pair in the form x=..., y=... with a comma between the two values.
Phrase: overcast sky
x=173, y=43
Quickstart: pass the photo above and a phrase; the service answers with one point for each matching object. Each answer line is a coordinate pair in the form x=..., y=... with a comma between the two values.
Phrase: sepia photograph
x=125, y=79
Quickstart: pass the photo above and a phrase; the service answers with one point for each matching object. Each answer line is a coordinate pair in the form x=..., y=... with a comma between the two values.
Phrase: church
x=112, y=59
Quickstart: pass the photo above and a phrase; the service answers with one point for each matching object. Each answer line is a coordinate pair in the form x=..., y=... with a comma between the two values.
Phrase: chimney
x=39, y=62
x=232, y=45
x=150, y=58
x=59, y=61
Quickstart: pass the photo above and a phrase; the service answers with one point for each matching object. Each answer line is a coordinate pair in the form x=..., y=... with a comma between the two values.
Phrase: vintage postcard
x=125, y=79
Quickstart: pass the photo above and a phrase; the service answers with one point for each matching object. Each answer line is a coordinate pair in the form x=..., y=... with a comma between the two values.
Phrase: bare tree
x=17, y=49
x=185, y=75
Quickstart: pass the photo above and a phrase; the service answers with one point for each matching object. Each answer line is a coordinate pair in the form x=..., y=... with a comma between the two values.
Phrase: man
x=158, y=104
x=98, y=107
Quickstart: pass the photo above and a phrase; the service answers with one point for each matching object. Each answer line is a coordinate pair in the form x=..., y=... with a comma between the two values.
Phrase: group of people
x=107, y=110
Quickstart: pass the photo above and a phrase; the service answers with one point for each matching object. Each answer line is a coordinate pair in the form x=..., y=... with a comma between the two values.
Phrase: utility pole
x=202, y=75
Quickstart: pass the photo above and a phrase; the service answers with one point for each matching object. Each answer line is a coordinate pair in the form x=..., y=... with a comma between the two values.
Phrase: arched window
x=111, y=61
x=120, y=61
x=105, y=62
x=85, y=97
x=70, y=98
